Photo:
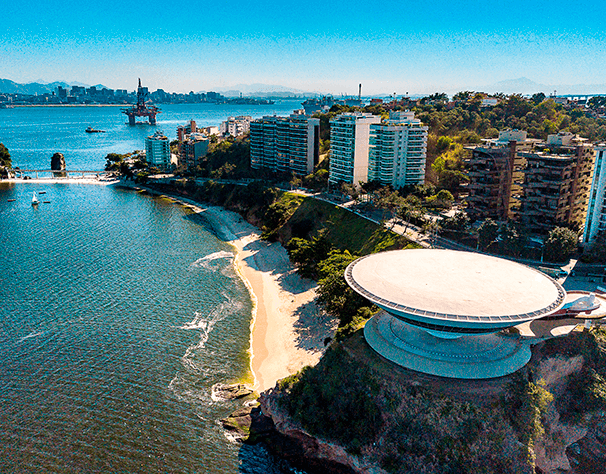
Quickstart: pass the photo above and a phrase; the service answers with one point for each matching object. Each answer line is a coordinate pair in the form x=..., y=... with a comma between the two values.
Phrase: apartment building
x=157, y=151
x=285, y=144
x=192, y=149
x=235, y=126
x=349, y=147
x=398, y=150
x=495, y=173
x=184, y=130
x=556, y=188
x=596, y=211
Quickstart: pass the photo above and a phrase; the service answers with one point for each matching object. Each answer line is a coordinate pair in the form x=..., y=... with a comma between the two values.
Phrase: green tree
x=411, y=210
x=459, y=222
x=113, y=161
x=334, y=294
x=538, y=98
x=317, y=181
x=443, y=144
x=389, y=201
x=560, y=244
x=487, y=233
x=306, y=254
x=125, y=170
x=513, y=241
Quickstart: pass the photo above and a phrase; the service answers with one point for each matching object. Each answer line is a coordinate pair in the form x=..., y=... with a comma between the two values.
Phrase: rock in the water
x=232, y=392
x=58, y=163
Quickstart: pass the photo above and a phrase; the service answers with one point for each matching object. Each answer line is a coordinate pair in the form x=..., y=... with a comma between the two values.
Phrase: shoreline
x=288, y=329
x=86, y=180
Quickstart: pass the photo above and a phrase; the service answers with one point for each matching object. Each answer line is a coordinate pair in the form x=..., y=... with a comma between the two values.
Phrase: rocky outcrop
x=58, y=164
x=232, y=391
x=291, y=442
x=551, y=448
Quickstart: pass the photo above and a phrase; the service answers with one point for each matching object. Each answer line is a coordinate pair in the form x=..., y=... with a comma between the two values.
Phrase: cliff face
x=431, y=425
x=300, y=448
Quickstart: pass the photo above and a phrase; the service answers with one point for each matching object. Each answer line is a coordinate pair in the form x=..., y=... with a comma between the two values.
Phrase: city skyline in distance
x=328, y=47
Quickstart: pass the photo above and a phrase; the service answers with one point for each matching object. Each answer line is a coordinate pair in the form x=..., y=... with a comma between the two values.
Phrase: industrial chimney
x=360, y=92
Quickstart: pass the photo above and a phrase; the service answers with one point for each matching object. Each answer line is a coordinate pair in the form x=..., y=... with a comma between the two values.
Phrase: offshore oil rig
x=141, y=110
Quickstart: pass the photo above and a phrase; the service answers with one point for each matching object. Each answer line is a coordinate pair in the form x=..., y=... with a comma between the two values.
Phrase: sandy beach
x=288, y=328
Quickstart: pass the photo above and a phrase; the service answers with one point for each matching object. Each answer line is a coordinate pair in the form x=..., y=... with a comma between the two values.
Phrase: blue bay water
x=119, y=311
x=33, y=134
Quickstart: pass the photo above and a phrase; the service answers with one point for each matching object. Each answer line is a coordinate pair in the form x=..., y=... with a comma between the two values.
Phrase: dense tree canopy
x=560, y=244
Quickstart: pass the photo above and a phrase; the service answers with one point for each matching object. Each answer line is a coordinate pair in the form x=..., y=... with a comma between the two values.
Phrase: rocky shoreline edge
x=260, y=420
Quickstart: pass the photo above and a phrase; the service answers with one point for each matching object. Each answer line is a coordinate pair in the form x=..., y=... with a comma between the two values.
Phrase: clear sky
x=314, y=45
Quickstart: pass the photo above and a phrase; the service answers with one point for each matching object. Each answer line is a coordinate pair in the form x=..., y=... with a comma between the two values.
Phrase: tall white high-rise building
x=398, y=150
x=596, y=211
x=157, y=151
x=349, y=138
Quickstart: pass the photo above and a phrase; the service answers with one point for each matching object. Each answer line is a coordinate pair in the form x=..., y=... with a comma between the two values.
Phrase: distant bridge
x=55, y=174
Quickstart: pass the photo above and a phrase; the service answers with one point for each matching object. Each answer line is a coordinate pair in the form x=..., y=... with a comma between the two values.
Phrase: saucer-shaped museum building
x=444, y=310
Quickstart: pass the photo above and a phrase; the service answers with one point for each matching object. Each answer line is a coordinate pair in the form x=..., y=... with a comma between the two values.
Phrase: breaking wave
x=183, y=384
x=205, y=262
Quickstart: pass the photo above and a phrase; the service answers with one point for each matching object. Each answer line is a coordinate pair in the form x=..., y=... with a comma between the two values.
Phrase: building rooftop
x=465, y=287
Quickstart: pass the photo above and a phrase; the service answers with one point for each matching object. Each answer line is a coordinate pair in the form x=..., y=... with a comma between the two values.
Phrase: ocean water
x=34, y=134
x=119, y=312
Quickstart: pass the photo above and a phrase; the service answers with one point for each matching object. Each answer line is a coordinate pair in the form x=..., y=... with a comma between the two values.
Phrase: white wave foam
x=192, y=360
x=185, y=390
x=204, y=262
x=33, y=334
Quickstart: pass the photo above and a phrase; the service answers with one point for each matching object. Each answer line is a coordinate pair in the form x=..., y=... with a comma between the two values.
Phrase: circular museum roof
x=454, y=288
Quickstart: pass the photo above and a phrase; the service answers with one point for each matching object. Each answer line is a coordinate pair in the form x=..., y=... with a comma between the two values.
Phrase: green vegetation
x=355, y=399
x=487, y=233
x=586, y=390
x=321, y=238
x=320, y=397
x=229, y=159
x=308, y=253
x=5, y=157
x=398, y=426
x=527, y=403
x=560, y=244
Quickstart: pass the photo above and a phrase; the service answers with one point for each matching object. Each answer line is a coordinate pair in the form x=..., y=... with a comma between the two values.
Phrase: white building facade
x=285, y=144
x=398, y=150
x=235, y=126
x=596, y=211
x=349, y=146
x=157, y=151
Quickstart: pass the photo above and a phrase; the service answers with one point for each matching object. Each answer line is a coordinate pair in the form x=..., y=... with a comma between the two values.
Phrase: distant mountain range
x=263, y=90
x=39, y=87
x=521, y=85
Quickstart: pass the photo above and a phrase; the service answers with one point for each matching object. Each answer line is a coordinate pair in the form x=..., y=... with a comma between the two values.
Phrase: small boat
x=10, y=200
x=41, y=192
x=35, y=201
x=92, y=130
x=45, y=202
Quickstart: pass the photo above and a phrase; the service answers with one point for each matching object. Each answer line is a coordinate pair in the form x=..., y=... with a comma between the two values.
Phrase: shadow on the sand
x=312, y=326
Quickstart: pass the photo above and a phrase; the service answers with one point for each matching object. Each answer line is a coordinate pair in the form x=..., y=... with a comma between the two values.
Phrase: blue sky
x=331, y=45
